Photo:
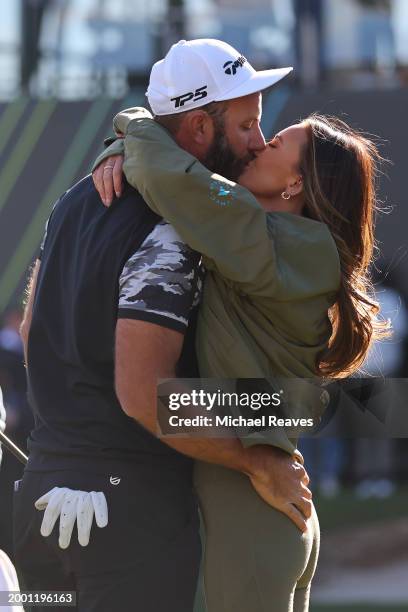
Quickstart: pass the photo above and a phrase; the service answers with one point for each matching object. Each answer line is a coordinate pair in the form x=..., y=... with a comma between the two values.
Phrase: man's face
x=237, y=137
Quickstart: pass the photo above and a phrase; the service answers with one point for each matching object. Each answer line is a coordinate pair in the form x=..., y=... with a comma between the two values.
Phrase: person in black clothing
x=94, y=269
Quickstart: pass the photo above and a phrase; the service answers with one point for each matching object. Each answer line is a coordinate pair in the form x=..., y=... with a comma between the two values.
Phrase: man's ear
x=201, y=127
x=295, y=187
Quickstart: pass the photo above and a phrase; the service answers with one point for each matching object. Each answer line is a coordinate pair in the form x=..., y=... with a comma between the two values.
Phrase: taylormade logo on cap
x=231, y=67
x=197, y=72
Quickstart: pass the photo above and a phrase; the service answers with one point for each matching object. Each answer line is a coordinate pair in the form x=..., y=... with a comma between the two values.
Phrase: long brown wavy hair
x=340, y=167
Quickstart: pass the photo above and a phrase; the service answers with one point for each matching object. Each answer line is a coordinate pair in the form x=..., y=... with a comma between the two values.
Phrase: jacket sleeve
x=116, y=148
x=120, y=123
x=215, y=216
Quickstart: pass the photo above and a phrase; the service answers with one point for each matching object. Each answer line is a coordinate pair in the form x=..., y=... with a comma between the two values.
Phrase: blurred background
x=67, y=66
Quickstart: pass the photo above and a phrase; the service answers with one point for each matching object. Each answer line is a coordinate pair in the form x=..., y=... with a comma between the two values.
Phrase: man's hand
x=281, y=481
x=146, y=352
x=108, y=178
x=72, y=506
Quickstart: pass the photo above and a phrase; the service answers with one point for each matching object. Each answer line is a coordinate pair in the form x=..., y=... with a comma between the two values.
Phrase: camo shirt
x=162, y=281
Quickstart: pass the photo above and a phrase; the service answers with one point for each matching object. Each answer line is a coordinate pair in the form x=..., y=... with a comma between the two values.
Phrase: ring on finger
x=110, y=168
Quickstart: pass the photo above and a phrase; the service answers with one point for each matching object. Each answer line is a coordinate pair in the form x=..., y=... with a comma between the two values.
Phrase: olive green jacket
x=271, y=277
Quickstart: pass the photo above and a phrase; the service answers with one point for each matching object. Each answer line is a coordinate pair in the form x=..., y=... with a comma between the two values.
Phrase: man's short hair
x=173, y=122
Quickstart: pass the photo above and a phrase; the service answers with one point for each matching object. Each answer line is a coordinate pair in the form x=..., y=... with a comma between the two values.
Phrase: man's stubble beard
x=220, y=157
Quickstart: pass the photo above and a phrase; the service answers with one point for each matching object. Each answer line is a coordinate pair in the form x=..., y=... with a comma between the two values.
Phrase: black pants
x=146, y=559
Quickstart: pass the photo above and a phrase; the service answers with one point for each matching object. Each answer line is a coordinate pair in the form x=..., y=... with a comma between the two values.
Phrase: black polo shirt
x=97, y=265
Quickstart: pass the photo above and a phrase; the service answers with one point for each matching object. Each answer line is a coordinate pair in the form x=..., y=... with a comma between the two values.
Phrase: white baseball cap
x=197, y=72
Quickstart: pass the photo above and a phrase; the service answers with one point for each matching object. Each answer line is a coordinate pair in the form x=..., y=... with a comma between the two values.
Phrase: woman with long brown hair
x=340, y=166
x=287, y=293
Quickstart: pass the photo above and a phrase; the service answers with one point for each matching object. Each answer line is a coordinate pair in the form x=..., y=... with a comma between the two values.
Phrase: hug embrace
x=222, y=256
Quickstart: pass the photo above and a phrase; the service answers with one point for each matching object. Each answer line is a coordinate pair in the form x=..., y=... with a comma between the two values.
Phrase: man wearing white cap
x=224, y=74
x=212, y=76
x=121, y=278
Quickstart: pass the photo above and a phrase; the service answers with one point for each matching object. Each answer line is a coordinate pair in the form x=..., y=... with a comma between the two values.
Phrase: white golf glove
x=72, y=506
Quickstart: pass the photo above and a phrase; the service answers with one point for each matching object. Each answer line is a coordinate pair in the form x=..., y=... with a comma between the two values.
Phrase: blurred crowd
x=374, y=467
x=76, y=49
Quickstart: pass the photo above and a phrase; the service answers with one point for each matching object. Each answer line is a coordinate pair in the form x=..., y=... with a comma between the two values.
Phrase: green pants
x=255, y=559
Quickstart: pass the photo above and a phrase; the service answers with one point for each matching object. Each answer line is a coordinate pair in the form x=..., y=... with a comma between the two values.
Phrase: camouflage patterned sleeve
x=162, y=281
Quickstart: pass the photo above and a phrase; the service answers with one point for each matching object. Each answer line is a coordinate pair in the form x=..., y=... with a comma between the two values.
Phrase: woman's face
x=276, y=168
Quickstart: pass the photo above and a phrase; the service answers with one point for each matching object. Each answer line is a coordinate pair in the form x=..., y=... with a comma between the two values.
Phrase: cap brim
x=257, y=82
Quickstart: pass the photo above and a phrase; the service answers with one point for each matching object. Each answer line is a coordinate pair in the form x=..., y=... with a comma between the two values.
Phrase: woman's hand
x=108, y=178
x=281, y=480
